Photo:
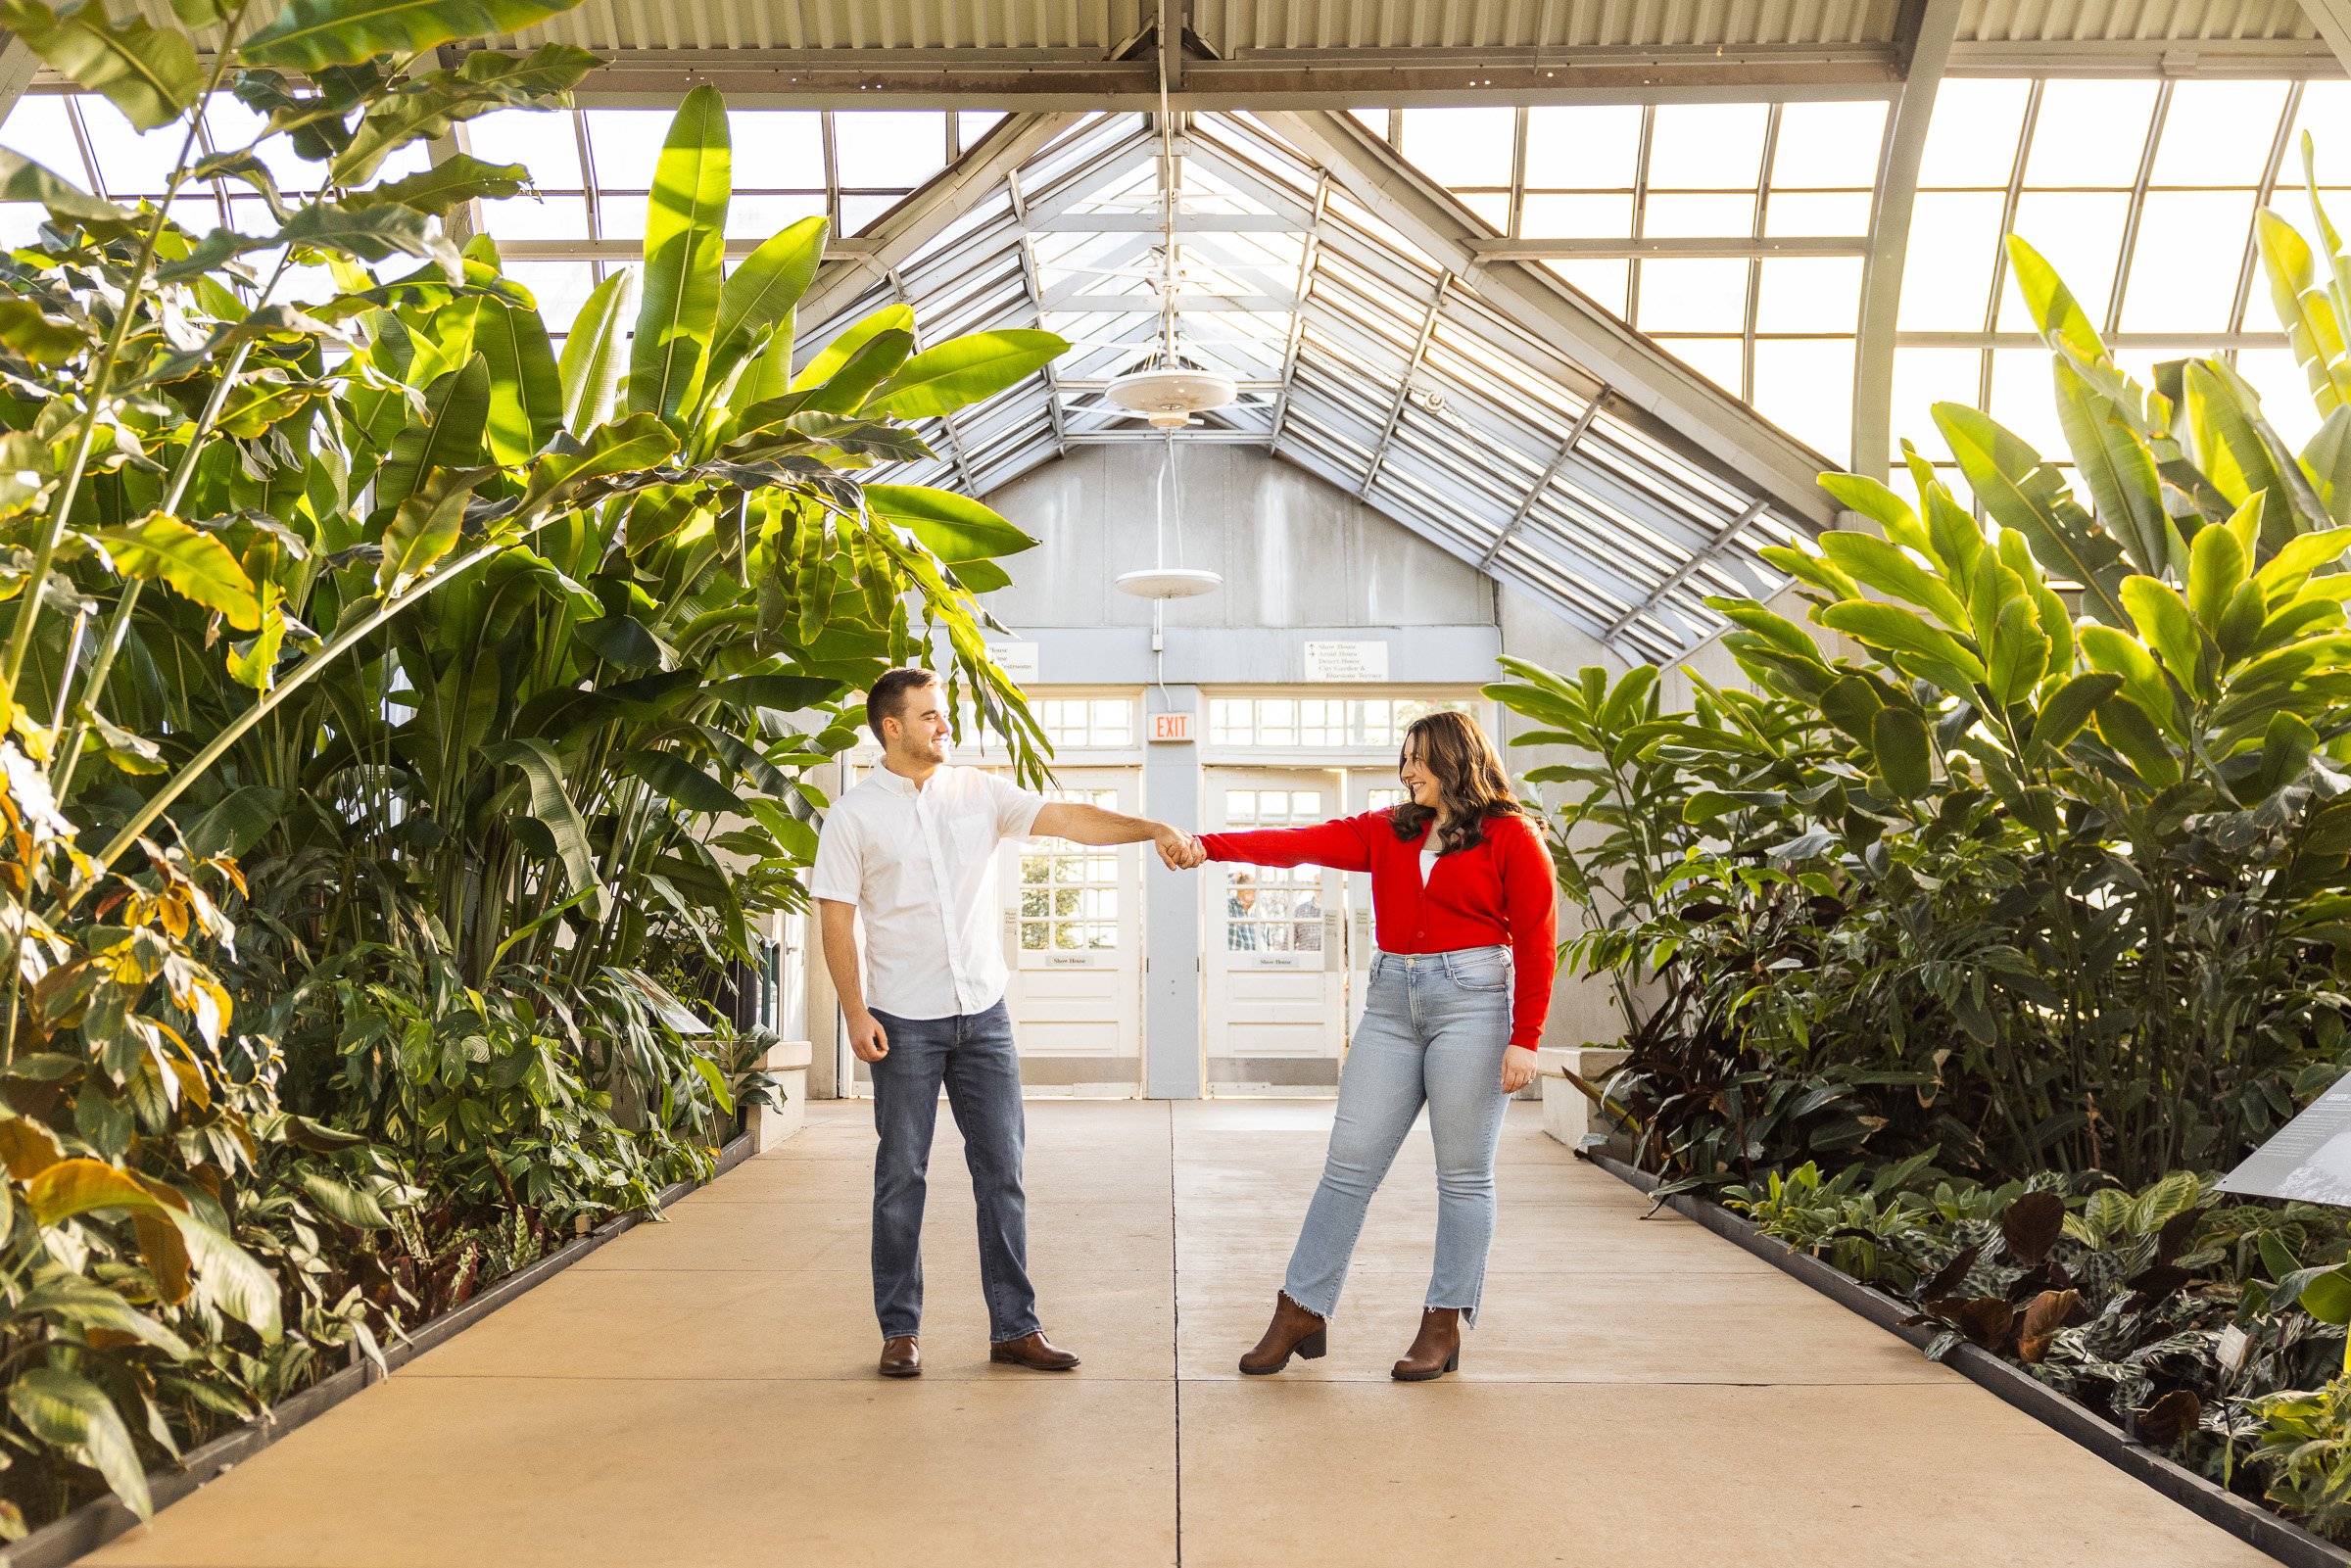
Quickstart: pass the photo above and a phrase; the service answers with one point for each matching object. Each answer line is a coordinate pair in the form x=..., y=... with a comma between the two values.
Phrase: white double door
x=1073, y=940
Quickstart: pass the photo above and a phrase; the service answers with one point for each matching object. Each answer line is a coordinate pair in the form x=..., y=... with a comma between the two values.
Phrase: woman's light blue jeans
x=1435, y=1025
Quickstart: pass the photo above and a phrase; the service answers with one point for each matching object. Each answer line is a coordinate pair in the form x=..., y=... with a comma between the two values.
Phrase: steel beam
x=915, y=222
x=19, y=64
x=1404, y=384
x=1742, y=247
x=1666, y=400
x=1287, y=79
x=1583, y=422
x=1938, y=23
x=1723, y=542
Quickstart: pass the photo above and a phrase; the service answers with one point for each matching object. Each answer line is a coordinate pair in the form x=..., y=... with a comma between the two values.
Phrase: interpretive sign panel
x=1347, y=661
x=2310, y=1159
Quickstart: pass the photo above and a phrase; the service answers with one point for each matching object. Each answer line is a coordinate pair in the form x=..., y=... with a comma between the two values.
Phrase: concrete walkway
x=1638, y=1392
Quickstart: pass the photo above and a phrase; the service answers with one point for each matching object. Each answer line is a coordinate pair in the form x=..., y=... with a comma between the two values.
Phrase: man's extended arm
x=1092, y=825
x=838, y=922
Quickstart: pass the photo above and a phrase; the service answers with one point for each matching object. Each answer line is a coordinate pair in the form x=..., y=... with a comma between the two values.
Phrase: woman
x=1462, y=887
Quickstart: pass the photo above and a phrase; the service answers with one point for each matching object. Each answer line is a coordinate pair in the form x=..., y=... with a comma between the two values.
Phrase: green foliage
x=441, y=725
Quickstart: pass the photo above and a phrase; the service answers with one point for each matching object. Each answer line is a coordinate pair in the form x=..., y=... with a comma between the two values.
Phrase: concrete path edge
x=75, y=1535
x=2249, y=1522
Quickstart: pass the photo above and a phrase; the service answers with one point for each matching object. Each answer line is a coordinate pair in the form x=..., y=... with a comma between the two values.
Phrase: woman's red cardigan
x=1497, y=891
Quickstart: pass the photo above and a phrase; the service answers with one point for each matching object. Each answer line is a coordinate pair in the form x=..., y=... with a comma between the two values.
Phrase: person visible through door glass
x=912, y=850
x=1461, y=893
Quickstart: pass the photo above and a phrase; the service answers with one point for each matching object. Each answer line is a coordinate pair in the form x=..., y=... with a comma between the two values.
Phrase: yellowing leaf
x=194, y=563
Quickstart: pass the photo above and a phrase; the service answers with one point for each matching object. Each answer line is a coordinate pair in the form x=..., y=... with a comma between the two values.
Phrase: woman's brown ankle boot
x=1436, y=1349
x=1294, y=1330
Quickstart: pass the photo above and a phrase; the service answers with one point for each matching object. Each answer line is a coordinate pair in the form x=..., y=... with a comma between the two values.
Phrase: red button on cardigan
x=1498, y=891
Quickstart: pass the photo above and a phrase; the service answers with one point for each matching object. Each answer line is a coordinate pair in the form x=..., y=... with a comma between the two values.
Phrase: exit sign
x=1177, y=727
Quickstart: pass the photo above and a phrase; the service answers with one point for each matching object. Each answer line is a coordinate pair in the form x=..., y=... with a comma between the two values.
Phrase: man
x=1240, y=905
x=913, y=849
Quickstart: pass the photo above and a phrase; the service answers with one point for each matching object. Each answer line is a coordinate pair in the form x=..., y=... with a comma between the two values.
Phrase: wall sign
x=1172, y=727
x=1347, y=661
x=1017, y=660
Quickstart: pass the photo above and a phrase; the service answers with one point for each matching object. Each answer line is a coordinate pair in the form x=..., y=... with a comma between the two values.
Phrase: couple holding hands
x=1466, y=917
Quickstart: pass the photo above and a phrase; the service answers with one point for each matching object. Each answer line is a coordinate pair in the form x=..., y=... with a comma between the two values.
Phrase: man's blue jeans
x=972, y=1056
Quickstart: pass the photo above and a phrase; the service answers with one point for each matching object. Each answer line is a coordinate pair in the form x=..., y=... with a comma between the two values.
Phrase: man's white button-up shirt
x=920, y=865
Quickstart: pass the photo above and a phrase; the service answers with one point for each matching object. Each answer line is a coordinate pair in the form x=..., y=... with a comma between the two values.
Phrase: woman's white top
x=1428, y=863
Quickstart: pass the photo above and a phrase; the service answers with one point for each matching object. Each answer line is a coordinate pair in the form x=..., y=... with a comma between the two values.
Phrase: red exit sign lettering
x=1171, y=727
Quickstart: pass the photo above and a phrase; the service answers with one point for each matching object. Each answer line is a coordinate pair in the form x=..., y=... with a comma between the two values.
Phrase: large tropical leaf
x=149, y=74
x=821, y=367
x=760, y=293
x=192, y=561
x=2118, y=467
x=682, y=781
x=590, y=368
x=552, y=806
x=954, y=527
x=964, y=370
x=450, y=435
x=526, y=392
x=69, y=1411
x=2029, y=495
x=424, y=528
x=308, y=34
x=684, y=247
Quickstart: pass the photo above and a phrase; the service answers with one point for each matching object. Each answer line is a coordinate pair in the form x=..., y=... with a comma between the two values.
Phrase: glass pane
x=2326, y=111
x=2089, y=134
x=2081, y=234
x=129, y=163
x=547, y=144
x=1240, y=805
x=2190, y=247
x=1842, y=212
x=1493, y=207
x=1720, y=360
x=1972, y=140
x=1707, y=146
x=762, y=217
x=1808, y=294
x=856, y=212
x=894, y=149
x=1807, y=389
x=2219, y=132
x=778, y=148
x=1585, y=217
x=2284, y=393
x=536, y=217
x=1457, y=147
x=1706, y=295
x=1924, y=378
x=1581, y=148
x=2024, y=400
x=1604, y=281
x=626, y=144
x=560, y=288
x=1947, y=280
x=1834, y=145
x=976, y=124
x=1670, y=216
x=38, y=128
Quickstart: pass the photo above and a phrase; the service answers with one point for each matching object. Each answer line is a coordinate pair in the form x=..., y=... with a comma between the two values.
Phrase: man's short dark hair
x=888, y=698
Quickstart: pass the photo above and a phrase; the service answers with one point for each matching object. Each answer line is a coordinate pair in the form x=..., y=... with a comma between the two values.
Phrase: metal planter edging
x=2249, y=1522
x=100, y=1520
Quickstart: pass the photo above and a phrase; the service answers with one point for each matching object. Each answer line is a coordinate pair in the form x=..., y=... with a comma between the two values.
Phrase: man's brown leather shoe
x=1033, y=1351
x=901, y=1357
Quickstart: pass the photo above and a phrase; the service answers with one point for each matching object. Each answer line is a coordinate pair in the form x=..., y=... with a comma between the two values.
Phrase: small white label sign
x=1347, y=661
x=1017, y=660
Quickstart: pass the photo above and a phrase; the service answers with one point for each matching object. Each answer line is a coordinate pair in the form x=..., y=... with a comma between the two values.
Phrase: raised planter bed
x=2248, y=1521
x=102, y=1519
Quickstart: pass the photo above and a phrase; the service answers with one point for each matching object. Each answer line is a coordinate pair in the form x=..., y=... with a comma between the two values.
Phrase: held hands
x=1178, y=849
x=867, y=1038
x=1517, y=1068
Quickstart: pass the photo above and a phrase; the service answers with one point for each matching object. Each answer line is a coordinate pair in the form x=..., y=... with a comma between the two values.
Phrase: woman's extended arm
x=1343, y=843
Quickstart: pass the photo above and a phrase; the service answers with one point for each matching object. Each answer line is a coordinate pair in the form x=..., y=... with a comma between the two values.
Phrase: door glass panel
x=1070, y=892
x=1272, y=909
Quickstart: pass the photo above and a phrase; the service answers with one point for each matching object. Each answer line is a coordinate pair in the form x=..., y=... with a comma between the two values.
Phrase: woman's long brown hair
x=1470, y=777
